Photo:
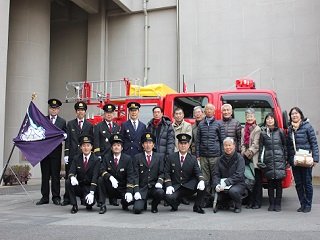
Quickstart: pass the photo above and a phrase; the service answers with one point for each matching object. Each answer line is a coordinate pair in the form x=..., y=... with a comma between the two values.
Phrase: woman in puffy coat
x=305, y=138
x=273, y=153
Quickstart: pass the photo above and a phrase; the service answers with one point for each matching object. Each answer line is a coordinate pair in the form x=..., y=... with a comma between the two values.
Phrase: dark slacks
x=275, y=185
x=256, y=195
x=303, y=179
x=157, y=194
x=234, y=193
x=181, y=192
x=50, y=167
x=66, y=193
x=80, y=191
x=105, y=188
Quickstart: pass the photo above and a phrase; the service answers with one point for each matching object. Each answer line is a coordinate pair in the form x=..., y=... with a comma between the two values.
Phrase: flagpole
x=5, y=167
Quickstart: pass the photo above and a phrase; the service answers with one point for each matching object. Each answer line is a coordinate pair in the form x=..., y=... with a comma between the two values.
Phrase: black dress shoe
x=173, y=209
x=113, y=202
x=307, y=209
x=65, y=203
x=42, y=201
x=198, y=209
x=301, y=209
x=89, y=208
x=237, y=210
x=56, y=202
x=125, y=208
x=74, y=209
x=154, y=210
x=208, y=205
x=249, y=206
x=184, y=201
x=102, y=210
x=256, y=207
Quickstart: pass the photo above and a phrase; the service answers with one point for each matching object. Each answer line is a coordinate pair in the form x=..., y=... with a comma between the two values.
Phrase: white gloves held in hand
x=66, y=159
x=169, y=190
x=223, y=185
x=74, y=181
x=90, y=197
x=137, y=196
x=158, y=185
x=218, y=188
x=128, y=197
x=201, y=185
x=113, y=181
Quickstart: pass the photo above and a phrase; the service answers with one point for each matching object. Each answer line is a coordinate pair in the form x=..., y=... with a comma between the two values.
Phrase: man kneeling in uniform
x=149, y=168
x=117, y=175
x=183, y=176
x=83, y=175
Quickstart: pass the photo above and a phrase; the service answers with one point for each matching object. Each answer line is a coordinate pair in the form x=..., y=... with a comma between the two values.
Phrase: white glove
x=90, y=197
x=66, y=159
x=201, y=185
x=113, y=181
x=128, y=197
x=158, y=185
x=137, y=196
x=218, y=188
x=74, y=181
x=170, y=190
x=223, y=185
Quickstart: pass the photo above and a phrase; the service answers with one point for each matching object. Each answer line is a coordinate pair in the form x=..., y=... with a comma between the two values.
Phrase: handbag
x=249, y=182
x=301, y=159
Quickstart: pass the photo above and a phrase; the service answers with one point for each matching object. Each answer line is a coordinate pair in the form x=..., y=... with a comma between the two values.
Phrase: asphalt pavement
x=21, y=218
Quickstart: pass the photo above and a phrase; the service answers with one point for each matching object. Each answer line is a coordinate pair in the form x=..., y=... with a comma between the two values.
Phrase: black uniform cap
x=183, y=137
x=80, y=105
x=148, y=137
x=85, y=139
x=54, y=103
x=109, y=107
x=116, y=138
x=133, y=105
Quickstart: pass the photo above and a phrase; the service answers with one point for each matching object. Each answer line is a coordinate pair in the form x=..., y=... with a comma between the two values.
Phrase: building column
x=4, y=31
x=28, y=67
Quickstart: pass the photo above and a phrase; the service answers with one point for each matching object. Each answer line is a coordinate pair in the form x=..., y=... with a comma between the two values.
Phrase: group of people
x=171, y=161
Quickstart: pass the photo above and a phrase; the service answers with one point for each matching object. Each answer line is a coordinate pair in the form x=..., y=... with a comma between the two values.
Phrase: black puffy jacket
x=275, y=153
x=164, y=135
x=305, y=138
x=210, y=138
x=232, y=128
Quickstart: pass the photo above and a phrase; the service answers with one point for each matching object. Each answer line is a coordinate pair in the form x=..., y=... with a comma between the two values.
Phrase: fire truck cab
x=244, y=96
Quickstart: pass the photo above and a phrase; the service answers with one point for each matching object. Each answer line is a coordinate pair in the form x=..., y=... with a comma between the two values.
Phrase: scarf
x=247, y=133
x=156, y=122
x=296, y=125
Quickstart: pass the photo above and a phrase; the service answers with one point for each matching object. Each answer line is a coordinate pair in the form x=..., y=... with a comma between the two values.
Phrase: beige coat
x=184, y=127
x=253, y=150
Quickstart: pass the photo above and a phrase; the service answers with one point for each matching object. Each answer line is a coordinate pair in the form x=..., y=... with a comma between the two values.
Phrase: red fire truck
x=244, y=96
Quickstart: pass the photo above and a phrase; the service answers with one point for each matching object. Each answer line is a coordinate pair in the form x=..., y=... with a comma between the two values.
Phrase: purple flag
x=37, y=136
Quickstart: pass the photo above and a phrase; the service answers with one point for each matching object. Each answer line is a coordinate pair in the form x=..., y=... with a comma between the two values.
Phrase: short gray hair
x=229, y=139
x=250, y=111
x=197, y=107
x=226, y=105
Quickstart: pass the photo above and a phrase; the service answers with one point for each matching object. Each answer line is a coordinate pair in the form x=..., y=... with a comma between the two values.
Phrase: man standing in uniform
x=117, y=175
x=51, y=165
x=102, y=133
x=161, y=127
x=75, y=129
x=183, y=176
x=83, y=176
x=132, y=130
x=180, y=126
x=149, y=168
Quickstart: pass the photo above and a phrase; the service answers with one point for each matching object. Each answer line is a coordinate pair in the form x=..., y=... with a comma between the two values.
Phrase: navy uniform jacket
x=101, y=137
x=147, y=177
x=87, y=178
x=187, y=176
x=132, y=138
x=60, y=123
x=74, y=132
x=124, y=173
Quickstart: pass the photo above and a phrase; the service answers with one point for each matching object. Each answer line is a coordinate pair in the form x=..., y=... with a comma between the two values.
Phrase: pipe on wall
x=146, y=42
